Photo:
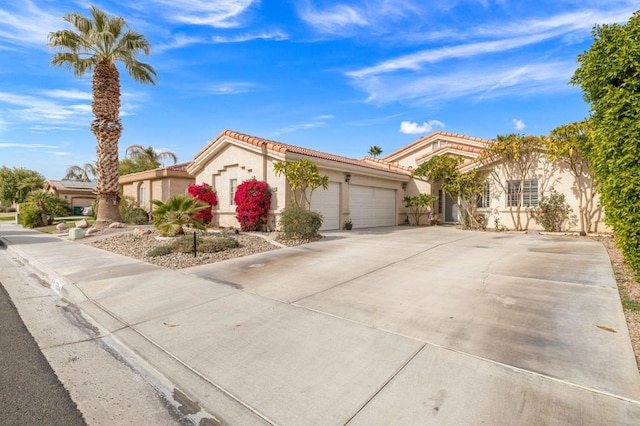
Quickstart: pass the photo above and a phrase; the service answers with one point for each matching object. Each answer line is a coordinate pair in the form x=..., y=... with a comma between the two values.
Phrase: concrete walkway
x=383, y=326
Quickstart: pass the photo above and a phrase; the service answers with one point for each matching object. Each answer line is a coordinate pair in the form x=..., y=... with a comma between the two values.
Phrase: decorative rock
x=76, y=233
x=62, y=227
x=140, y=231
x=82, y=224
x=118, y=225
x=92, y=231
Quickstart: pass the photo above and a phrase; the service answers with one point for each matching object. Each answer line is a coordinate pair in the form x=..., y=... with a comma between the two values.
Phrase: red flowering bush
x=253, y=201
x=206, y=194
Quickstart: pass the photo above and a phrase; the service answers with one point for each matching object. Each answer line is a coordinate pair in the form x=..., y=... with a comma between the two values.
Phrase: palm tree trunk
x=107, y=128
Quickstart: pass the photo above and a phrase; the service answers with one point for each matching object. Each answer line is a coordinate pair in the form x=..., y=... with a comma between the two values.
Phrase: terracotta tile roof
x=434, y=135
x=466, y=148
x=284, y=148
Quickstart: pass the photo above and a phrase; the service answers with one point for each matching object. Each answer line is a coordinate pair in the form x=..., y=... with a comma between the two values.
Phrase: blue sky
x=335, y=76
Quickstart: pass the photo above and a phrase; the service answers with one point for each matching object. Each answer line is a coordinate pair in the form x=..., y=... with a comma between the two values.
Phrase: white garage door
x=371, y=206
x=327, y=203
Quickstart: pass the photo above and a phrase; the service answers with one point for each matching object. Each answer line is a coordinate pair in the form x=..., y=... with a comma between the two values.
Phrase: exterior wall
x=155, y=189
x=550, y=176
x=235, y=162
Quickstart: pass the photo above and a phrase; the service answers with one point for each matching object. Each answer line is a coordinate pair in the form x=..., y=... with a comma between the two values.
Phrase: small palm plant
x=171, y=217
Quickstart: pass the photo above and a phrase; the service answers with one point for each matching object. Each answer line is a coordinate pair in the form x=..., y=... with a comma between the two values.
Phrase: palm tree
x=81, y=173
x=139, y=152
x=179, y=211
x=99, y=42
x=374, y=151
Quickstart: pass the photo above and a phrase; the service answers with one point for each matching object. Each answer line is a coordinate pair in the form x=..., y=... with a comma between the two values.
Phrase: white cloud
x=519, y=124
x=412, y=128
x=231, y=88
x=374, y=16
x=479, y=82
x=218, y=14
x=69, y=94
x=319, y=121
x=270, y=35
x=27, y=24
x=59, y=154
x=416, y=60
x=27, y=145
x=334, y=19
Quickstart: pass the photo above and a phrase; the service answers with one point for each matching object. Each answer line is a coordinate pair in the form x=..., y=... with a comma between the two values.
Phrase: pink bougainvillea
x=253, y=201
x=207, y=195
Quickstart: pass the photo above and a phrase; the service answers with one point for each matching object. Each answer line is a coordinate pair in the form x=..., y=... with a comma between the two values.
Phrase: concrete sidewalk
x=384, y=326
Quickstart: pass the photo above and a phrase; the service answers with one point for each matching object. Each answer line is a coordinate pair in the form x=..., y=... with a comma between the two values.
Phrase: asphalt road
x=30, y=392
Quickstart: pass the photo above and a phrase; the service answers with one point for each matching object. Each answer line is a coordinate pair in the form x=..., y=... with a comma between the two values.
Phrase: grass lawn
x=8, y=218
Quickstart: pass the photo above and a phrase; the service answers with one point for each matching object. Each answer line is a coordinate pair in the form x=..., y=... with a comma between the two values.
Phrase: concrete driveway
x=520, y=326
x=375, y=327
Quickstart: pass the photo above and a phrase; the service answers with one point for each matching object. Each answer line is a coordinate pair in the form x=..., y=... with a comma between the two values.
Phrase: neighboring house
x=156, y=184
x=367, y=191
x=77, y=194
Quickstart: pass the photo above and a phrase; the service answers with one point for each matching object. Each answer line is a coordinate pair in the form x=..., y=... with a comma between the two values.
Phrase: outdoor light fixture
x=347, y=177
x=404, y=185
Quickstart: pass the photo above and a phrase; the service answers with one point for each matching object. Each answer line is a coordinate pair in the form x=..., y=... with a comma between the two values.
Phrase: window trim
x=528, y=195
x=233, y=186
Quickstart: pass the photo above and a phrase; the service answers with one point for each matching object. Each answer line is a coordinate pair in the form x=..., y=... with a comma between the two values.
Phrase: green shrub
x=184, y=244
x=132, y=213
x=298, y=222
x=552, y=212
x=159, y=251
x=30, y=216
x=204, y=245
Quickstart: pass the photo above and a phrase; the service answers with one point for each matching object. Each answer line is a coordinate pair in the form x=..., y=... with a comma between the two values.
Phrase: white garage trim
x=371, y=206
x=327, y=203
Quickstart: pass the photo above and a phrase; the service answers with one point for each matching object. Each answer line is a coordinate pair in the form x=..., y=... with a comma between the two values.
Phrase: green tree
x=609, y=77
x=463, y=188
x=567, y=143
x=128, y=166
x=81, y=173
x=418, y=205
x=303, y=178
x=511, y=160
x=149, y=155
x=17, y=183
x=374, y=151
x=97, y=44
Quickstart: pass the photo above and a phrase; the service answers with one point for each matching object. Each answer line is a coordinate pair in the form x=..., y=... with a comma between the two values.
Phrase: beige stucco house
x=156, y=184
x=370, y=191
x=367, y=191
x=77, y=194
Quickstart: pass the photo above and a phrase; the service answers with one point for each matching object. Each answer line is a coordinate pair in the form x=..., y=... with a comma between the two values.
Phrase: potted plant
x=348, y=224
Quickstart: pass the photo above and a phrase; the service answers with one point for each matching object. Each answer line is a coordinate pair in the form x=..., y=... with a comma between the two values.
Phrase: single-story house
x=78, y=195
x=156, y=184
x=367, y=191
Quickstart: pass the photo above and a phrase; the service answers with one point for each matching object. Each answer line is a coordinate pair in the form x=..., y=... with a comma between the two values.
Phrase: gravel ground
x=629, y=289
x=137, y=246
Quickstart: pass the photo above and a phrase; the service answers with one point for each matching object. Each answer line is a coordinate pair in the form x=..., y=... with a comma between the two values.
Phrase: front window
x=142, y=196
x=484, y=200
x=528, y=194
x=233, y=184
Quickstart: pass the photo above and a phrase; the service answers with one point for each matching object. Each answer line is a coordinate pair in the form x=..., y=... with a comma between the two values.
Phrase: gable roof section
x=469, y=152
x=453, y=139
x=176, y=170
x=202, y=157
